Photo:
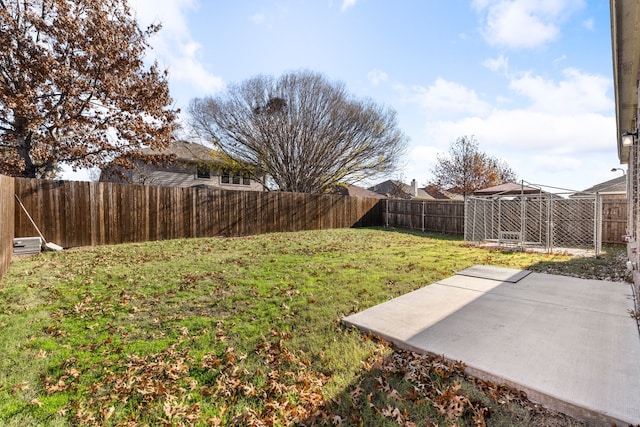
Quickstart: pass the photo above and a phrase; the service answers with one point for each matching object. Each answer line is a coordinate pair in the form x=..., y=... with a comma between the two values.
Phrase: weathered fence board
x=74, y=214
x=444, y=216
x=7, y=207
x=614, y=220
x=440, y=216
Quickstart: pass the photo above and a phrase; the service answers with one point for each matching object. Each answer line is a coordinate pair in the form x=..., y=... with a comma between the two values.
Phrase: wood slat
x=440, y=216
x=75, y=214
x=7, y=222
x=614, y=220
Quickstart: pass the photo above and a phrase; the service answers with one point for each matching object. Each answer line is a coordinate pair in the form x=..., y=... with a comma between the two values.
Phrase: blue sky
x=531, y=79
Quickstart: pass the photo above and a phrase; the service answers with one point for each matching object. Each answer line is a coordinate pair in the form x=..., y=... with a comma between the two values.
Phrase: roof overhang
x=625, y=40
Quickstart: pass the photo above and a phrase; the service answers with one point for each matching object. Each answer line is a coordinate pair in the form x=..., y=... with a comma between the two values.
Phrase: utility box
x=27, y=245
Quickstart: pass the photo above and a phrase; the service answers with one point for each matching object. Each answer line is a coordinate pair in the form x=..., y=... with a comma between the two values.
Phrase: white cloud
x=257, y=18
x=174, y=47
x=171, y=13
x=449, y=97
x=578, y=92
x=376, y=77
x=540, y=147
x=425, y=153
x=189, y=69
x=557, y=61
x=555, y=131
x=273, y=17
x=346, y=4
x=421, y=160
x=499, y=64
x=556, y=164
x=527, y=130
x=523, y=23
x=588, y=24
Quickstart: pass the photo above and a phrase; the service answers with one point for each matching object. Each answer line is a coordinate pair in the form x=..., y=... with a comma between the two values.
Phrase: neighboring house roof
x=435, y=192
x=441, y=194
x=355, y=191
x=454, y=196
x=508, y=188
x=397, y=189
x=616, y=185
x=191, y=152
x=389, y=188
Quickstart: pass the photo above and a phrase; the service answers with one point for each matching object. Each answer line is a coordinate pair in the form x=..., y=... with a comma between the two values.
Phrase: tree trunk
x=24, y=152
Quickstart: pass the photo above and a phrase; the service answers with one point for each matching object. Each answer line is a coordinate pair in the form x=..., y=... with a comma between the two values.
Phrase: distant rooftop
x=355, y=191
x=189, y=152
x=398, y=189
x=615, y=185
x=508, y=188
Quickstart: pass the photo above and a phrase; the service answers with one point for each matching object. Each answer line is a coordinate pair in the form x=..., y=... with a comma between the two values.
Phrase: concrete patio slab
x=569, y=343
x=510, y=275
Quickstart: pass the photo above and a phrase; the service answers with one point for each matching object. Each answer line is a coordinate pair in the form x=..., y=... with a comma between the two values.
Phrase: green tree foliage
x=305, y=133
x=74, y=88
x=466, y=169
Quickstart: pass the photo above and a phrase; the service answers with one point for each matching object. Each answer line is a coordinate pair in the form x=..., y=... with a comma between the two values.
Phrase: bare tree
x=467, y=169
x=74, y=88
x=305, y=133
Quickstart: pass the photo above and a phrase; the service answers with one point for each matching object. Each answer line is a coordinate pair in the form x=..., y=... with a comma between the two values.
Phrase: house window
x=203, y=172
x=236, y=178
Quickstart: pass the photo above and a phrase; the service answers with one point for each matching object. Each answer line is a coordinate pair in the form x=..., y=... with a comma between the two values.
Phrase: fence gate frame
x=535, y=219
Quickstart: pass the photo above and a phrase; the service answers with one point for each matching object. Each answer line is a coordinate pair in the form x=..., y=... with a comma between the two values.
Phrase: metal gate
x=541, y=220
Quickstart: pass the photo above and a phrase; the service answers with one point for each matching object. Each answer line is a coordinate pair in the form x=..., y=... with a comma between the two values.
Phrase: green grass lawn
x=240, y=331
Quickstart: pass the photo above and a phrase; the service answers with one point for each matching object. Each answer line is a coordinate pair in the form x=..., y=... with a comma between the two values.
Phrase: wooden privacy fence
x=6, y=222
x=447, y=216
x=614, y=220
x=441, y=216
x=73, y=214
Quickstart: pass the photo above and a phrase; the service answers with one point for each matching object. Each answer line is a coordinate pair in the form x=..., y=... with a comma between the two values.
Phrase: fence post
x=7, y=222
x=523, y=218
x=386, y=216
x=469, y=220
x=597, y=225
x=550, y=227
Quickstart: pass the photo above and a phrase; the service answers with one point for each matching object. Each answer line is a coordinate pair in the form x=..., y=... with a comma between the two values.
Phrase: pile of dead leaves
x=170, y=388
x=290, y=394
x=408, y=379
x=272, y=386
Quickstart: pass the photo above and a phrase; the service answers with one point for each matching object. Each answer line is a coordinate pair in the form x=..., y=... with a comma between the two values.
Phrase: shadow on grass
x=410, y=389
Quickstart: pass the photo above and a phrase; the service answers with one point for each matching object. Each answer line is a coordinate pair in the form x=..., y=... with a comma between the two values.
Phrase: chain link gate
x=540, y=220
